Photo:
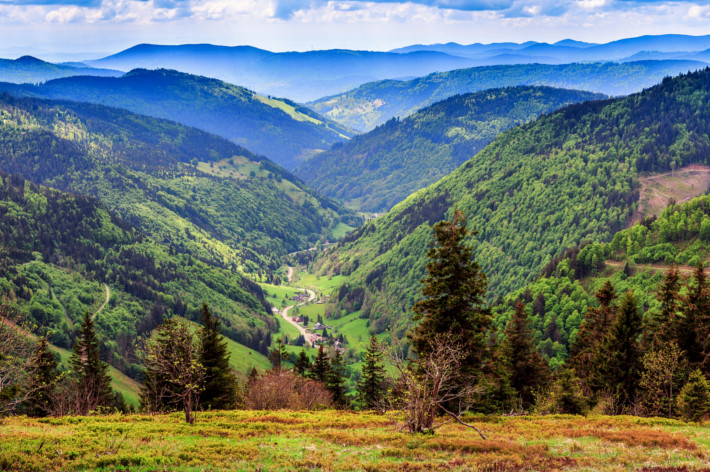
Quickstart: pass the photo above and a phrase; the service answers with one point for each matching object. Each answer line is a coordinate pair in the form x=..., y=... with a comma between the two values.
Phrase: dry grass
x=345, y=441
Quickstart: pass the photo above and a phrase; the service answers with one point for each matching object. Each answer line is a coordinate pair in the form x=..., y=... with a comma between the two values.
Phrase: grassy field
x=345, y=441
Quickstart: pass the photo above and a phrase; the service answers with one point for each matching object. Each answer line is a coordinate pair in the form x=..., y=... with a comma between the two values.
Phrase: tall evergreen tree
x=371, y=386
x=696, y=318
x=619, y=369
x=302, y=364
x=93, y=382
x=320, y=367
x=335, y=380
x=454, y=291
x=528, y=371
x=664, y=326
x=220, y=388
x=585, y=351
x=43, y=381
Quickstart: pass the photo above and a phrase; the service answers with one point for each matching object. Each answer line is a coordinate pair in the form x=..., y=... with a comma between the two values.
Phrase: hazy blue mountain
x=568, y=50
x=374, y=103
x=28, y=69
x=375, y=171
x=279, y=129
x=298, y=75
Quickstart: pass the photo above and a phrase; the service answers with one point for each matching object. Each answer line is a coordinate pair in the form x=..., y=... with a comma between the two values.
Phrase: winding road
x=311, y=296
x=108, y=295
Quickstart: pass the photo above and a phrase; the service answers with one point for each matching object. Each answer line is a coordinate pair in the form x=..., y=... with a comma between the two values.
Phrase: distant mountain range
x=300, y=76
x=279, y=129
x=306, y=76
x=566, y=51
x=28, y=69
x=377, y=170
x=373, y=104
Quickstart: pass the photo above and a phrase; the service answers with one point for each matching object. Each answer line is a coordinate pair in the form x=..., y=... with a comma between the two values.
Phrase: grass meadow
x=348, y=441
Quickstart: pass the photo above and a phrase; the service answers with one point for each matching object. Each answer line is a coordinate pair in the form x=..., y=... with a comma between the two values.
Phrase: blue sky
x=97, y=26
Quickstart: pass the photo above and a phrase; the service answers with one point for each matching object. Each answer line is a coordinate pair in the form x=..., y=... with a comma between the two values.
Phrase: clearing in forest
x=681, y=185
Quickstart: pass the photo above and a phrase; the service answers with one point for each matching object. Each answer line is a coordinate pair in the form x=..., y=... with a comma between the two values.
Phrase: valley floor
x=340, y=441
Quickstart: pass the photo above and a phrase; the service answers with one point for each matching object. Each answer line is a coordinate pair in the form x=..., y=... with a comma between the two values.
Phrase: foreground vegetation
x=337, y=440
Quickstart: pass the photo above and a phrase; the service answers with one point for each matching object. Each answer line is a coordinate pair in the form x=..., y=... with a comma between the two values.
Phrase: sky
x=92, y=28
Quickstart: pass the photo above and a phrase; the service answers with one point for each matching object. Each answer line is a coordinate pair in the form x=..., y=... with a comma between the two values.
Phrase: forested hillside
x=63, y=255
x=145, y=169
x=283, y=131
x=567, y=177
x=375, y=171
x=636, y=259
x=375, y=103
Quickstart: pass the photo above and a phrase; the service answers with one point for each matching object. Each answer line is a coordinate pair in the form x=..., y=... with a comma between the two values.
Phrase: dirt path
x=289, y=274
x=662, y=267
x=306, y=335
x=108, y=295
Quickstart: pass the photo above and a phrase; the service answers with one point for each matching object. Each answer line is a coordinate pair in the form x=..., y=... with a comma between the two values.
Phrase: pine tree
x=91, y=375
x=371, y=387
x=695, y=319
x=302, y=364
x=335, y=380
x=566, y=395
x=619, y=369
x=663, y=326
x=528, y=371
x=320, y=367
x=694, y=398
x=43, y=381
x=220, y=387
x=454, y=291
x=595, y=326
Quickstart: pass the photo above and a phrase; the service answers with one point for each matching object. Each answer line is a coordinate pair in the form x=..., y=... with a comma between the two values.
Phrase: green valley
x=568, y=177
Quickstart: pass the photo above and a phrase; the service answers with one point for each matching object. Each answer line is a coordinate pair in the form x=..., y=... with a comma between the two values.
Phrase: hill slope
x=373, y=104
x=146, y=170
x=635, y=259
x=537, y=189
x=62, y=255
x=299, y=75
x=279, y=129
x=28, y=69
x=375, y=171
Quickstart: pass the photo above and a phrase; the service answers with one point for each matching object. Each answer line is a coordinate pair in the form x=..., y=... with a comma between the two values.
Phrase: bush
x=564, y=397
x=277, y=390
x=694, y=399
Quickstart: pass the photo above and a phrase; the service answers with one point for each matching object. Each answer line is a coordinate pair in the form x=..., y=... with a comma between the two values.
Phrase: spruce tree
x=695, y=319
x=595, y=326
x=335, y=380
x=302, y=364
x=694, y=398
x=663, y=326
x=91, y=375
x=619, y=369
x=453, y=291
x=372, y=385
x=528, y=371
x=320, y=367
x=220, y=387
x=43, y=381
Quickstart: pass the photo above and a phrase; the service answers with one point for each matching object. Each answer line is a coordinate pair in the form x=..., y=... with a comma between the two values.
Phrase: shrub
x=276, y=390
